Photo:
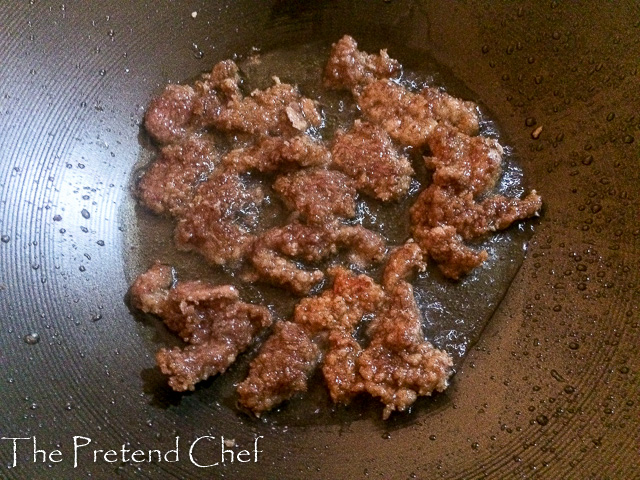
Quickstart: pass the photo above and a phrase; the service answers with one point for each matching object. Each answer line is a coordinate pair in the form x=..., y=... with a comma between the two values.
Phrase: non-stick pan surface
x=550, y=391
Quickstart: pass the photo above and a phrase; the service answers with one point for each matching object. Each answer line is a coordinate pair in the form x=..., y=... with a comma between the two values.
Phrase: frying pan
x=551, y=389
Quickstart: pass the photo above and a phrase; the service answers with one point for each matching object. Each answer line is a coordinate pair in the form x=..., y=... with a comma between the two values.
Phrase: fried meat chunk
x=463, y=162
x=282, y=368
x=442, y=219
x=342, y=306
x=279, y=154
x=214, y=322
x=168, y=117
x=366, y=154
x=399, y=365
x=318, y=195
x=410, y=118
x=274, y=253
x=348, y=67
x=277, y=110
x=167, y=186
x=218, y=222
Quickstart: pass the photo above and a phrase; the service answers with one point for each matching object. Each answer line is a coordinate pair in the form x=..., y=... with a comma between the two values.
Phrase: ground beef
x=216, y=325
x=348, y=67
x=282, y=369
x=399, y=378
x=317, y=195
x=403, y=262
x=340, y=367
x=458, y=217
x=341, y=307
x=463, y=162
x=277, y=110
x=367, y=155
x=309, y=243
x=168, y=184
x=170, y=113
x=218, y=220
x=410, y=118
x=273, y=154
x=271, y=138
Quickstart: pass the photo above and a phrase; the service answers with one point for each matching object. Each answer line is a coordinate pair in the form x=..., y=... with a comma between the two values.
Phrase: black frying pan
x=551, y=390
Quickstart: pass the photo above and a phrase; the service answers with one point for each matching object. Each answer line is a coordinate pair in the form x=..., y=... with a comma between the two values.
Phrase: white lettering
x=255, y=448
x=166, y=455
x=76, y=446
x=15, y=449
x=193, y=461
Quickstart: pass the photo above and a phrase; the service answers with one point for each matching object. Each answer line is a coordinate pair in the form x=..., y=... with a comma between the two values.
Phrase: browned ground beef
x=410, y=118
x=272, y=154
x=348, y=67
x=168, y=184
x=368, y=156
x=270, y=151
x=274, y=253
x=318, y=195
x=212, y=320
x=441, y=219
x=216, y=224
x=282, y=368
x=463, y=162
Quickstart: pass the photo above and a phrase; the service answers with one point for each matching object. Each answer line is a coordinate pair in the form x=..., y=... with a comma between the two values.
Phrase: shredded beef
x=410, y=118
x=309, y=243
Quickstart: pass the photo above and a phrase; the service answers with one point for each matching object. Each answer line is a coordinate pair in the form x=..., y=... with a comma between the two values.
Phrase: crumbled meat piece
x=402, y=263
x=272, y=154
x=213, y=321
x=349, y=67
x=462, y=115
x=341, y=307
x=282, y=368
x=217, y=222
x=340, y=367
x=277, y=110
x=458, y=216
x=410, y=118
x=399, y=378
x=169, y=114
x=214, y=91
x=309, y=243
x=150, y=291
x=168, y=184
x=318, y=195
x=399, y=365
x=464, y=162
x=437, y=206
x=447, y=249
x=366, y=154
x=365, y=246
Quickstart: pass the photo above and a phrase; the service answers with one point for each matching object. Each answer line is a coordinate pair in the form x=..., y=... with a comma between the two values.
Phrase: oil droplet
x=85, y=213
x=530, y=122
x=569, y=389
x=5, y=238
x=197, y=52
x=542, y=420
x=100, y=242
x=611, y=116
x=628, y=139
x=31, y=338
x=574, y=345
x=57, y=218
